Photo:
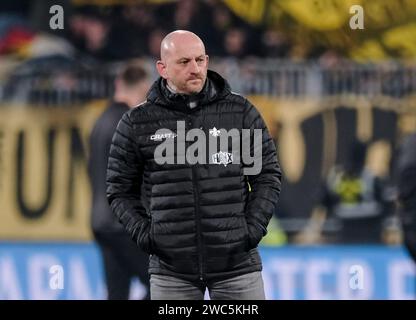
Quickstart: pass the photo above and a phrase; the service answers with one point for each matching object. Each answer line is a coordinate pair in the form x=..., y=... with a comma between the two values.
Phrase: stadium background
x=318, y=83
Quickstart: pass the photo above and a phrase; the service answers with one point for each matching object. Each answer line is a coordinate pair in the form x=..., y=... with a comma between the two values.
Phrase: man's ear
x=161, y=69
x=207, y=58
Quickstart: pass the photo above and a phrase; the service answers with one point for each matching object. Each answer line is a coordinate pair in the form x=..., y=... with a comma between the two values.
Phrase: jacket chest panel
x=205, y=137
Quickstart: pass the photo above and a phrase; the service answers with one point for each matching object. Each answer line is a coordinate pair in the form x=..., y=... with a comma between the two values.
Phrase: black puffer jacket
x=203, y=221
x=102, y=219
x=407, y=192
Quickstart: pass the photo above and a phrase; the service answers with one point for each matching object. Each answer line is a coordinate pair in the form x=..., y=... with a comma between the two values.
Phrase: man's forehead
x=183, y=49
x=188, y=49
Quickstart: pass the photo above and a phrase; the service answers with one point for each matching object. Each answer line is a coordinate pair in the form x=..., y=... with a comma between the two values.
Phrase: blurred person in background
x=235, y=43
x=275, y=43
x=155, y=38
x=91, y=30
x=407, y=192
x=353, y=198
x=131, y=28
x=122, y=259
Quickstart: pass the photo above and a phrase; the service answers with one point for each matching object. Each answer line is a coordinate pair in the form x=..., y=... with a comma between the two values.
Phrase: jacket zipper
x=198, y=218
x=198, y=225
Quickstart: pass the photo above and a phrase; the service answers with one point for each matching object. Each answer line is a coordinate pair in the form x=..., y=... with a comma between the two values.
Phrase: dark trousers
x=123, y=260
x=247, y=286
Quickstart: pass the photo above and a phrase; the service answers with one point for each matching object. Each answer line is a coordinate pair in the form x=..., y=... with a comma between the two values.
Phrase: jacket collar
x=215, y=87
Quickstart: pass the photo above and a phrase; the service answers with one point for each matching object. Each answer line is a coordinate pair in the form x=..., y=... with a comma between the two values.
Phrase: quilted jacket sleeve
x=124, y=179
x=266, y=183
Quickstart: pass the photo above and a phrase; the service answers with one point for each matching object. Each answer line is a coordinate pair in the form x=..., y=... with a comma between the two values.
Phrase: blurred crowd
x=119, y=32
x=78, y=62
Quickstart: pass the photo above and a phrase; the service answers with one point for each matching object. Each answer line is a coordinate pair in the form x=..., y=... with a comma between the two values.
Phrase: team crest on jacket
x=214, y=132
x=221, y=157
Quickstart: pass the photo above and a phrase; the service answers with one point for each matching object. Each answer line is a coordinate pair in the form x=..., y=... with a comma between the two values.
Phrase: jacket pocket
x=145, y=241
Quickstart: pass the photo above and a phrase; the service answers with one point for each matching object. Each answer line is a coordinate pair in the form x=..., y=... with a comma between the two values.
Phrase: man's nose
x=194, y=67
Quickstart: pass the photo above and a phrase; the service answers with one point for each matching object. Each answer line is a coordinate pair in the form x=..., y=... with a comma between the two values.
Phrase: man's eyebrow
x=188, y=58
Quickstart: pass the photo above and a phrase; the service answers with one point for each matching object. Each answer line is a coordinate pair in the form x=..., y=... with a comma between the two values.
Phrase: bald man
x=207, y=212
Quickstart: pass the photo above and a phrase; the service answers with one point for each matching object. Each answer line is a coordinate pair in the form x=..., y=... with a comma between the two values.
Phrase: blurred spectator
x=189, y=15
x=235, y=42
x=275, y=43
x=155, y=39
x=353, y=197
x=327, y=58
x=184, y=14
x=141, y=16
x=89, y=32
x=222, y=20
x=194, y=16
x=122, y=258
x=131, y=31
x=407, y=192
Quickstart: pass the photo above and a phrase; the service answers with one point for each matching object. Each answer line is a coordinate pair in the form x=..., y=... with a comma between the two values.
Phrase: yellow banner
x=44, y=187
x=388, y=25
x=250, y=10
x=403, y=39
x=319, y=14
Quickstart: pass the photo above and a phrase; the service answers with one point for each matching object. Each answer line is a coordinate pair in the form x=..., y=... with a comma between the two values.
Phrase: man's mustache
x=195, y=78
